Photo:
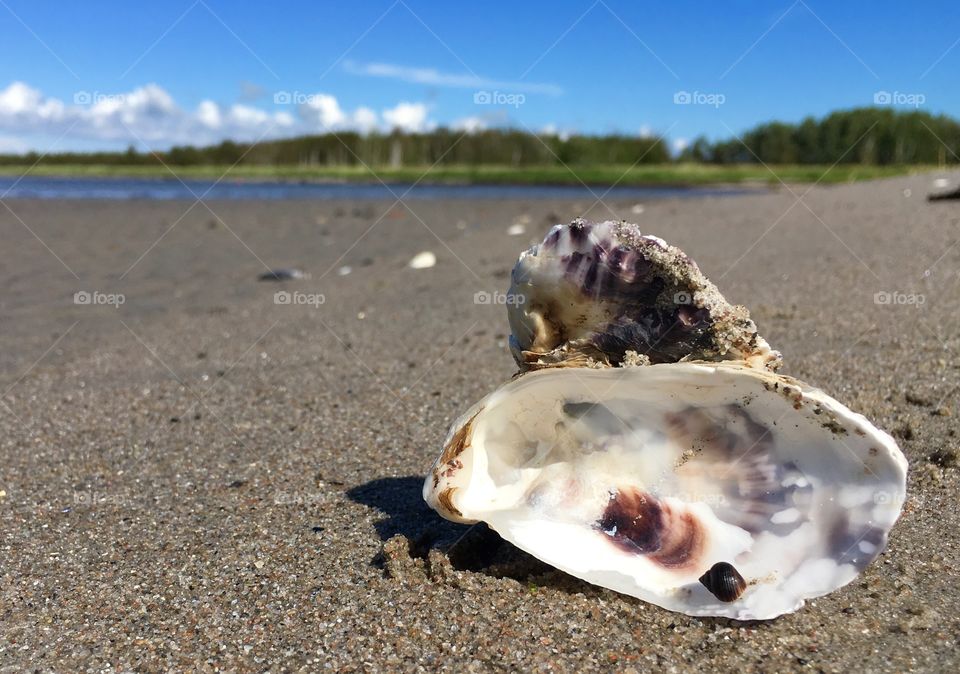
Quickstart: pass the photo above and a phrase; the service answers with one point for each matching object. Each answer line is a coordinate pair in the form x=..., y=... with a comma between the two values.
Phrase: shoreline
x=676, y=176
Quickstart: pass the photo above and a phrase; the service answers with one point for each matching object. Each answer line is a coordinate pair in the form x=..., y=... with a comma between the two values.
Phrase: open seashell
x=713, y=488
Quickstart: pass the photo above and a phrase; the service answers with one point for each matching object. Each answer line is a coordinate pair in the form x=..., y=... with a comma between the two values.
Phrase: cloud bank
x=149, y=116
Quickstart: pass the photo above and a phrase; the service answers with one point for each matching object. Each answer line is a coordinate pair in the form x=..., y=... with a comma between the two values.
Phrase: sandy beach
x=194, y=475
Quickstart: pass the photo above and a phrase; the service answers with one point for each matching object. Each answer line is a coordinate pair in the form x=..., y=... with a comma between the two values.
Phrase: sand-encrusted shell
x=599, y=292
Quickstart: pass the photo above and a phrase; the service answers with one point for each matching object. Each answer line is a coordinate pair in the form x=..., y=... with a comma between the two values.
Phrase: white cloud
x=149, y=101
x=208, y=113
x=284, y=119
x=246, y=116
x=18, y=98
x=365, y=119
x=552, y=130
x=27, y=109
x=322, y=110
x=680, y=144
x=149, y=115
x=407, y=117
x=469, y=124
x=10, y=145
x=433, y=77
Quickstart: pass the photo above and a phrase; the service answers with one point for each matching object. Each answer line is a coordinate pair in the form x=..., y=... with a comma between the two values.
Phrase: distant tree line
x=441, y=146
x=873, y=136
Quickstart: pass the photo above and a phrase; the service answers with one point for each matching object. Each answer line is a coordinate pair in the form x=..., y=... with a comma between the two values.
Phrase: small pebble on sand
x=291, y=274
x=423, y=260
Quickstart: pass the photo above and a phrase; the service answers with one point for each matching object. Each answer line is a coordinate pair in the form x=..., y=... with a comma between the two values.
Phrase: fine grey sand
x=202, y=478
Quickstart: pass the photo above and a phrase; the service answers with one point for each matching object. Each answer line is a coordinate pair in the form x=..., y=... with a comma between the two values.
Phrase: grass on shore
x=654, y=174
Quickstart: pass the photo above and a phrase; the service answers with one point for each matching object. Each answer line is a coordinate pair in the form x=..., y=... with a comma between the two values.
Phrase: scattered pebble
x=423, y=260
x=344, y=270
x=941, y=182
x=516, y=230
x=637, y=209
x=290, y=274
x=917, y=399
x=904, y=431
x=945, y=457
x=365, y=212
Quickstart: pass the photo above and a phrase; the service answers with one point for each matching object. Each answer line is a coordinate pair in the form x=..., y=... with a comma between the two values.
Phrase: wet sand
x=203, y=478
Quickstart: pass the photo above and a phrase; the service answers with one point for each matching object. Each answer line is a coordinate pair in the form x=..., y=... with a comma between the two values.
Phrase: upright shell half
x=649, y=446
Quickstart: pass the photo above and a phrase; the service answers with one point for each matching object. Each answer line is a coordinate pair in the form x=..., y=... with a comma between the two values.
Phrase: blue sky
x=105, y=74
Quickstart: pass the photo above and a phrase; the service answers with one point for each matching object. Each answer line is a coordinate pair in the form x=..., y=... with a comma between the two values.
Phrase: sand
x=201, y=478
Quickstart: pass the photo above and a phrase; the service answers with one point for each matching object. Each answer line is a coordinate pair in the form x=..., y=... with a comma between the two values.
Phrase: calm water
x=137, y=188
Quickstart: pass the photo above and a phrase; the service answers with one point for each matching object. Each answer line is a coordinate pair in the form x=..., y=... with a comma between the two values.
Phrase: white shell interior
x=783, y=482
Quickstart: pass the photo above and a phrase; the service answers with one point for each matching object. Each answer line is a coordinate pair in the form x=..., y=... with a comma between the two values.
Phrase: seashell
x=724, y=581
x=703, y=482
x=596, y=291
